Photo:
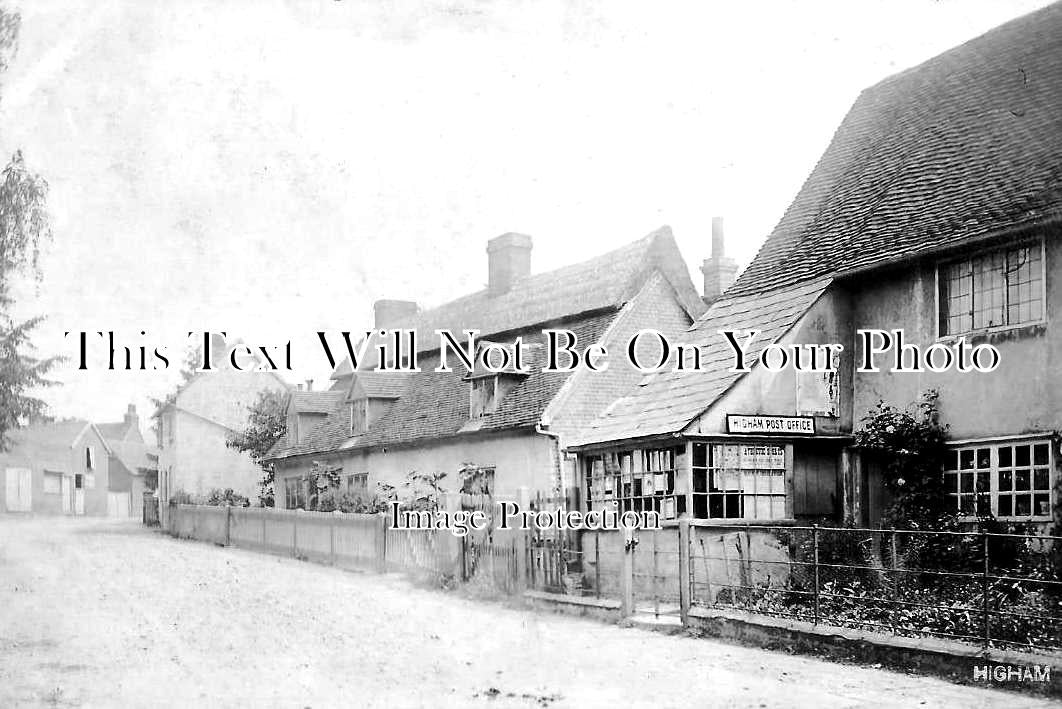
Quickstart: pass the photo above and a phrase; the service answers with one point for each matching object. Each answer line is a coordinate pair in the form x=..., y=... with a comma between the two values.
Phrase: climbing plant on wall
x=909, y=444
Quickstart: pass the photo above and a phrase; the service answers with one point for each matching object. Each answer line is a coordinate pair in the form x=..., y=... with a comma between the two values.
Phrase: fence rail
x=994, y=590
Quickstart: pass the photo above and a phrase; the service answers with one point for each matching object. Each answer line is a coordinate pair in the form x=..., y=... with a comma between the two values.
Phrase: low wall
x=934, y=656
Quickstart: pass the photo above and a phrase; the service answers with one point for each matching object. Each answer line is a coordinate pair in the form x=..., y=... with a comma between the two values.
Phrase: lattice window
x=1001, y=288
x=358, y=484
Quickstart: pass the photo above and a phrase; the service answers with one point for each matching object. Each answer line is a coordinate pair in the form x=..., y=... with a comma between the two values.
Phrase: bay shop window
x=719, y=480
x=642, y=480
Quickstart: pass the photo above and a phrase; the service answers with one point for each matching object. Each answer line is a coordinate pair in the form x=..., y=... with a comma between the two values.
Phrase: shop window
x=637, y=480
x=1000, y=288
x=1011, y=481
x=738, y=481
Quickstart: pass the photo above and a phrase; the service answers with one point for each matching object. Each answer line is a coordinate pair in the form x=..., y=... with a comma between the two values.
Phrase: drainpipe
x=543, y=429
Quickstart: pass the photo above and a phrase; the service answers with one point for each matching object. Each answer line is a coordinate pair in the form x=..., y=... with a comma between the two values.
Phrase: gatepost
x=523, y=499
x=453, y=547
x=381, y=543
x=627, y=600
x=684, y=570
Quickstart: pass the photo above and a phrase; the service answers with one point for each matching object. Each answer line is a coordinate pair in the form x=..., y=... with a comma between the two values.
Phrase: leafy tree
x=24, y=229
x=266, y=424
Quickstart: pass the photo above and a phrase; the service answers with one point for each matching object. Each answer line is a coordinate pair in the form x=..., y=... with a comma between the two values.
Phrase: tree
x=24, y=229
x=266, y=424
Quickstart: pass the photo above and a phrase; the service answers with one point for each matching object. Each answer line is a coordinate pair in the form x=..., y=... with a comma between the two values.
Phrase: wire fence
x=995, y=590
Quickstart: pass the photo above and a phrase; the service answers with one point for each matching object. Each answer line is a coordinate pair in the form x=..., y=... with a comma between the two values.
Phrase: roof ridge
x=647, y=239
x=963, y=146
x=965, y=45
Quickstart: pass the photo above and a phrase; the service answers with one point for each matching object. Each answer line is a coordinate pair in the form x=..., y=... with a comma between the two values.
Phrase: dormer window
x=359, y=416
x=484, y=396
x=487, y=387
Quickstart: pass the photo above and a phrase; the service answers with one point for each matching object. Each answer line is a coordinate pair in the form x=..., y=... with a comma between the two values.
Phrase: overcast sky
x=271, y=167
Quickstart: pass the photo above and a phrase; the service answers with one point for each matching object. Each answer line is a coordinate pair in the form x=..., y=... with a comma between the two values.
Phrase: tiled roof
x=47, y=443
x=666, y=401
x=114, y=431
x=435, y=405
x=315, y=402
x=135, y=456
x=964, y=146
x=381, y=385
x=603, y=282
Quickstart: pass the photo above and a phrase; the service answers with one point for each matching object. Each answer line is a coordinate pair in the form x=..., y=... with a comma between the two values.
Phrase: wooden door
x=118, y=505
x=19, y=489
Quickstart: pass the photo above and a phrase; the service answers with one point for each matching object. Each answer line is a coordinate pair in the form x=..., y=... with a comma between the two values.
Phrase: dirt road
x=109, y=614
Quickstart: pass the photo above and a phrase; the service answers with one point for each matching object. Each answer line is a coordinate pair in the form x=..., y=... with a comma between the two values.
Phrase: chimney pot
x=718, y=240
x=719, y=271
x=508, y=260
x=309, y=385
x=389, y=313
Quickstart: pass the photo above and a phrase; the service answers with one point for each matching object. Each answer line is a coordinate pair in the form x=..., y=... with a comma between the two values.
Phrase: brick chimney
x=719, y=271
x=131, y=418
x=508, y=260
x=391, y=313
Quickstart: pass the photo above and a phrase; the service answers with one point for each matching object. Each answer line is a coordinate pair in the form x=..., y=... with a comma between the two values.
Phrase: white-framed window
x=90, y=458
x=739, y=480
x=53, y=483
x=294, y=493
x=1011, y=480
x=994, y=289
x=358, y=484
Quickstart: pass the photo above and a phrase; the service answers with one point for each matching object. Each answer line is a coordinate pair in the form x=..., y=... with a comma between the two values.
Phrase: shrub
x=227, y=497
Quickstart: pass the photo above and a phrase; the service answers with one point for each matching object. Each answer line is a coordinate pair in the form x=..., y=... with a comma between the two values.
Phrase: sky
x=270, y=167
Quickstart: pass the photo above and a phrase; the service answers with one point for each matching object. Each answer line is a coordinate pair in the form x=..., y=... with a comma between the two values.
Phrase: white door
x=19, y=489
x=79, y=494
x=67, y=493
x=118, y=505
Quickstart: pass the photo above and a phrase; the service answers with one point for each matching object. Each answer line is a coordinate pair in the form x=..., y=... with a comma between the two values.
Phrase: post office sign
x=771, y=425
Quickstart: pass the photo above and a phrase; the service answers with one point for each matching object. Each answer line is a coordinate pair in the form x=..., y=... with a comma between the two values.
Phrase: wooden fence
x=354, y=541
